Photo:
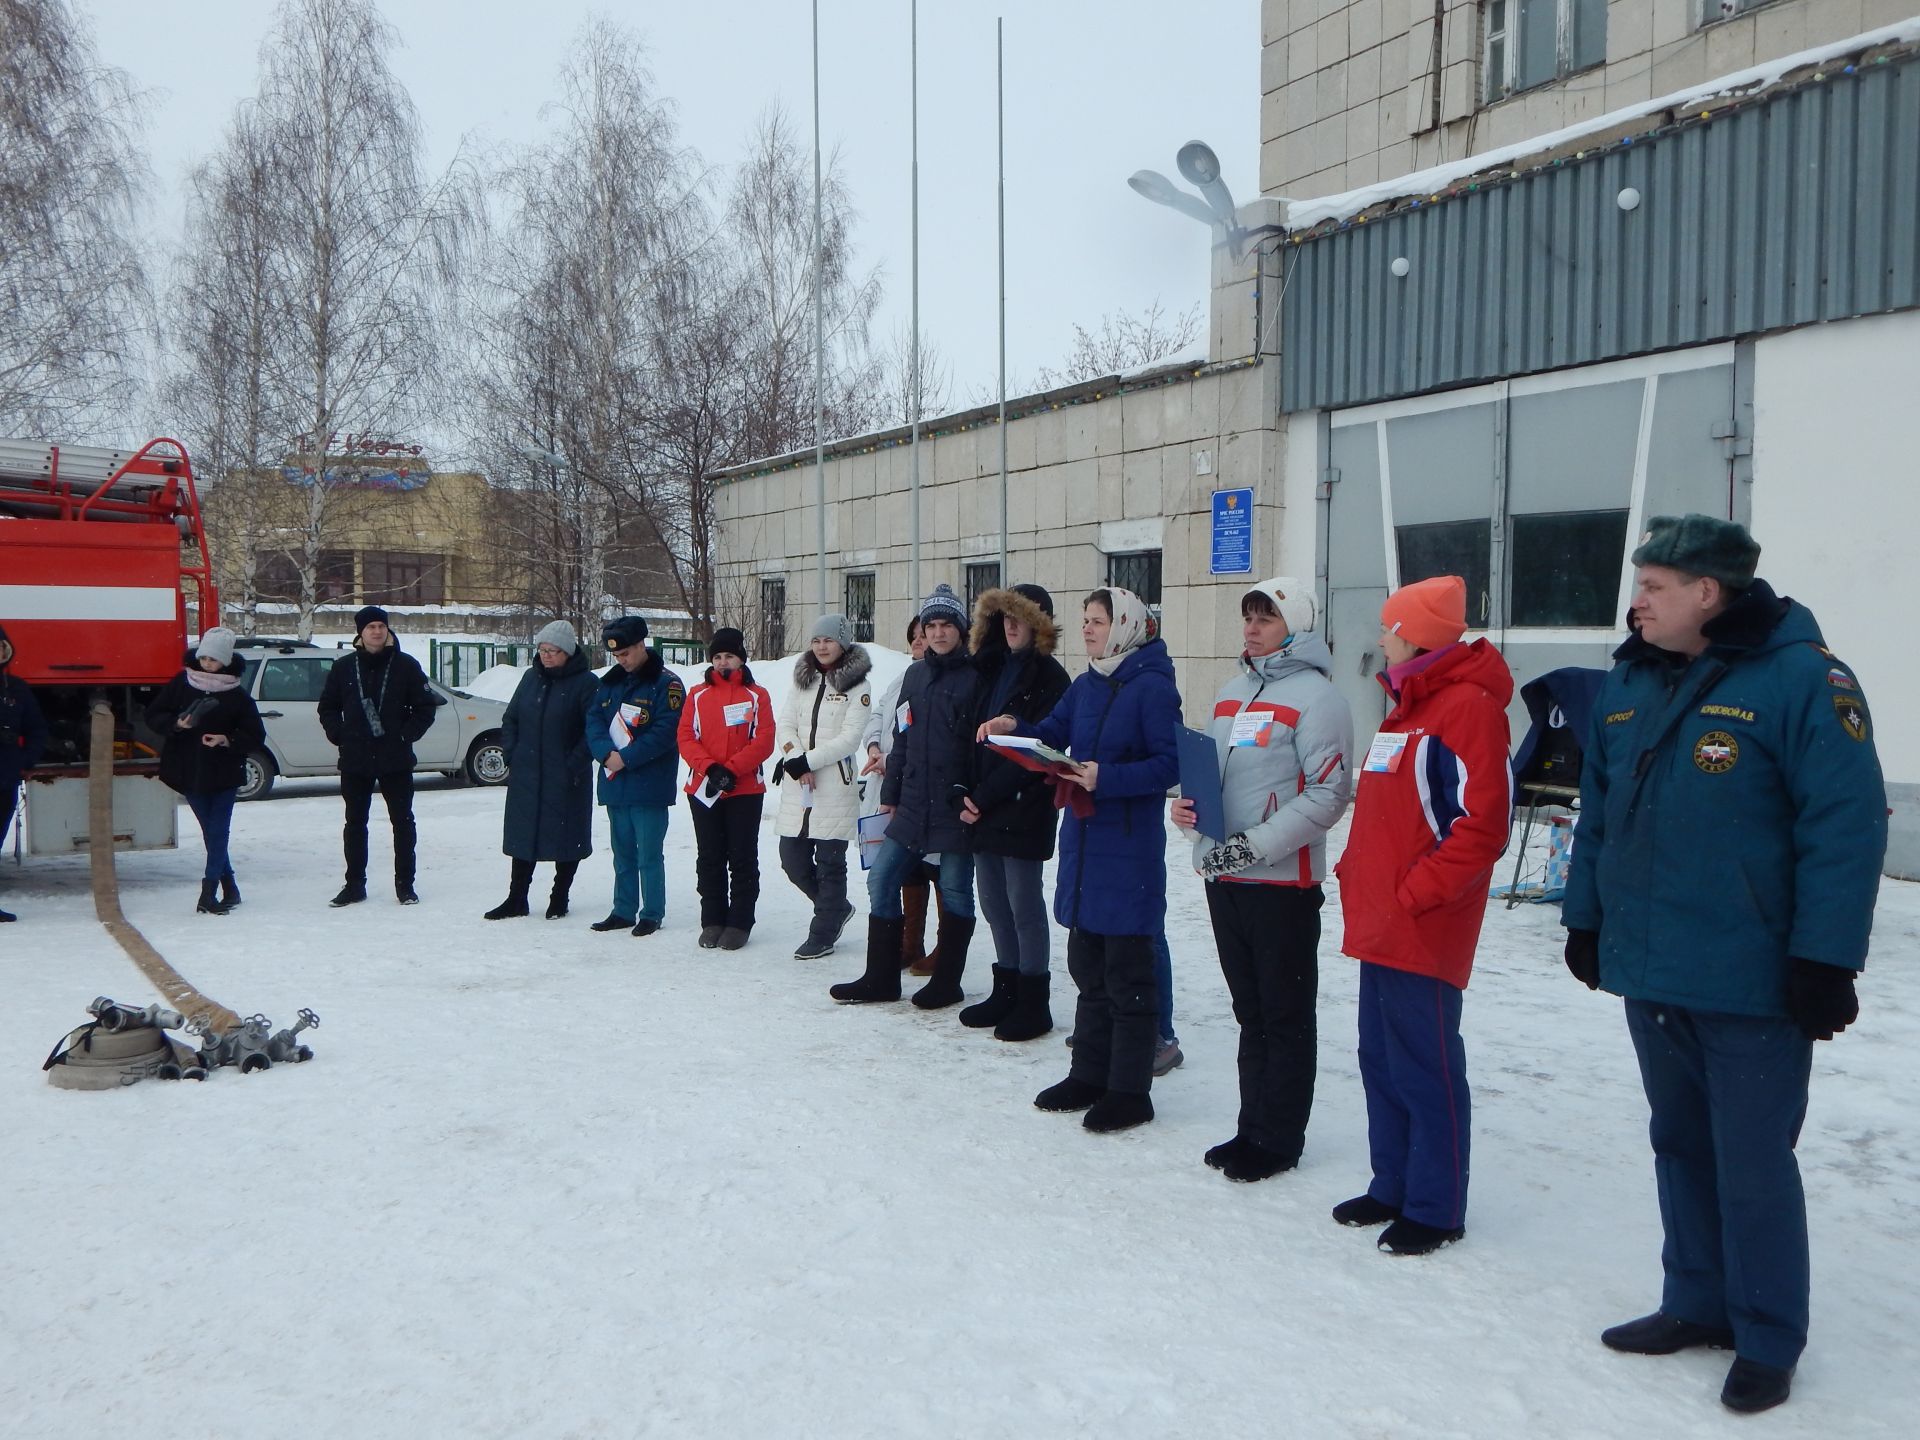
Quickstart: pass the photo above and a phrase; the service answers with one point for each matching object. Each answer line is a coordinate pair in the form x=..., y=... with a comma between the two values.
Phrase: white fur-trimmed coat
x=824, y=722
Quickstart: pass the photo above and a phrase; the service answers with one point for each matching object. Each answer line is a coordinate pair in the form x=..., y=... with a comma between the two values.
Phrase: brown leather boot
x=913, y=939
x=929, y=962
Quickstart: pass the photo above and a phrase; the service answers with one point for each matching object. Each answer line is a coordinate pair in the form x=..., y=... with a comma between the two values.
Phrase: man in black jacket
x=929, y=768
x=375, y=706
x=23, y=737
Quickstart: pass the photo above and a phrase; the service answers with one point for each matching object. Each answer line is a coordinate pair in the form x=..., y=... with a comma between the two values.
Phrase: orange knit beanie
x=1428, y=613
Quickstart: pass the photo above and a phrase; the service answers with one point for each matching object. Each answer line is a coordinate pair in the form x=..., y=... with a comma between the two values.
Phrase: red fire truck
x=101, y=553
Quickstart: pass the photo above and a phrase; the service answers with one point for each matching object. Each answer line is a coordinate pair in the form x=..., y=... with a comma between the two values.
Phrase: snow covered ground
x=542, y=1182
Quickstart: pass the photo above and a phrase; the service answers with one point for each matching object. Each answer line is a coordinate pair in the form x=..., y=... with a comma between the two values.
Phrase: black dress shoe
x=612, y=922
x=1664, y=1334
x=644, y=927
x=1752, y=1387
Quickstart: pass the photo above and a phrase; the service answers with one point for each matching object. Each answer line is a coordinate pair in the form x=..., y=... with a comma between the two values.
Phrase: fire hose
x=122, y=1045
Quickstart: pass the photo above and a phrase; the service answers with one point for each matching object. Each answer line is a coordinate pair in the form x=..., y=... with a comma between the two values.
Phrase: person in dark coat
x=375, y=706
x=1733, y=822
x=1011, y=810
x=549, y=813
x=929, y=768
x=633, y=732
x=1120, y=721
x=208, y=724
x=23, y=737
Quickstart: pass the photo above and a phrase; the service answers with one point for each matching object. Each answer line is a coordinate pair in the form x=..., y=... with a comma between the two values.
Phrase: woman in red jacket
x=1431, y=812
x=726, y=735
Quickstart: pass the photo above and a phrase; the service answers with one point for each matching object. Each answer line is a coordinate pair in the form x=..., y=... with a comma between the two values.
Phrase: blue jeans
x=639, y=860
x=1012, y=898
x=214, y=810
x=1728, y=1095
x=892, y=865
x=1163, y=977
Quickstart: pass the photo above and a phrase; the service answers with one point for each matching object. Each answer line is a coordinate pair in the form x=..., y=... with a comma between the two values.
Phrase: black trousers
x=1269, y=941
x=726, y=837
x=396, y=788
x=1118, y=1013
x=818, y=869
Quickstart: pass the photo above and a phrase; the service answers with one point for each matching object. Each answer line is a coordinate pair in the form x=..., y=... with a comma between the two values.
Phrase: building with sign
x=1542, y=272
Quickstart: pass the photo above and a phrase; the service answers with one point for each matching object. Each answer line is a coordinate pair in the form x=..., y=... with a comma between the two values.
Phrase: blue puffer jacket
x=1732, y=815
x=1113, y=864
x=645, y=708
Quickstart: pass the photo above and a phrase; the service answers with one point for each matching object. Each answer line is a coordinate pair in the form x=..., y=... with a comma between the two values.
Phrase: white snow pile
x=543, y=1182
x=1305, y=214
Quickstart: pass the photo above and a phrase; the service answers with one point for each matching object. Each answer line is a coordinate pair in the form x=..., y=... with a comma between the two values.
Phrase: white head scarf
x=1132, y=627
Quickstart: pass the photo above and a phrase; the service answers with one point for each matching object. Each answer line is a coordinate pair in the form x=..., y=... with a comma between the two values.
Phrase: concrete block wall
x=1354, y=92
x=1141, y=463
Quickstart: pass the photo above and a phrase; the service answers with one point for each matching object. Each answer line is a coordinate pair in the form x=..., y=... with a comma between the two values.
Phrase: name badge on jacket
x=738, y=713
x=1251, y=727
x=903, y=717
x=1383, y=755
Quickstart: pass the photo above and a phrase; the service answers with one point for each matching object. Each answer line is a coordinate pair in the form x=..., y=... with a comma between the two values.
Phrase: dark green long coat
x=550, y=786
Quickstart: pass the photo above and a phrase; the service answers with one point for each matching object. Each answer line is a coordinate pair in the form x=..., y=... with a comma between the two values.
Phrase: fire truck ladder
x=95, y=482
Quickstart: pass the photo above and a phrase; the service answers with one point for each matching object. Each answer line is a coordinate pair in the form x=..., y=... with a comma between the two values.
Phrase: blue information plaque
x=1232, y=532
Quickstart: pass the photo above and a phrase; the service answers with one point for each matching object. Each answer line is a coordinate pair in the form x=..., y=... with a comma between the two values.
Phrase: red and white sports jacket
x=727, y=720
x=1432, y=809
x=1285, y=738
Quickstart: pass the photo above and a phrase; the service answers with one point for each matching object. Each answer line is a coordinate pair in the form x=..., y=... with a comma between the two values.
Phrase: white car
x=285, y=679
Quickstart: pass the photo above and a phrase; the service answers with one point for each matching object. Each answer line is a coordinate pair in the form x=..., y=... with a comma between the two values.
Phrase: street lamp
x=1213, y=206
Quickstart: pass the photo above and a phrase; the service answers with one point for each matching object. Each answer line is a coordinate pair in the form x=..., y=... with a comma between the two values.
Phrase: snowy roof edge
x=1306, y=214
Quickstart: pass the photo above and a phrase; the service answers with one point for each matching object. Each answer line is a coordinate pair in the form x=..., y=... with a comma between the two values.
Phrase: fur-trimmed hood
x=852, y=668
x=987, y=610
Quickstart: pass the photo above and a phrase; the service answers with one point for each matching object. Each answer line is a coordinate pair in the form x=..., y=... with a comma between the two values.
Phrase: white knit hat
x=1292, y=598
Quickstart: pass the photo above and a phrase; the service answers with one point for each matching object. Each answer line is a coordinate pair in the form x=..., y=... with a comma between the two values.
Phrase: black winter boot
x=562, y=890
x=1410, y=1237
x=882, y=980
x=209, y=901
x=1752, y=1387
x=1070, y=1094
x=1364, y=1210
x=997, y=1006
x=351, y=893
x=229, y=891
x=1118, y=1110
x=515, y=904
x=1032, y=1014
x=956, y=934
x=1255, y=1162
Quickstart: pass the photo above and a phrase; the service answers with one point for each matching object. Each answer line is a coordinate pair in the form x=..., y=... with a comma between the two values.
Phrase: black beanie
x=1037, y=596
x=625, y=631
x=727, y=641
x=366, y=615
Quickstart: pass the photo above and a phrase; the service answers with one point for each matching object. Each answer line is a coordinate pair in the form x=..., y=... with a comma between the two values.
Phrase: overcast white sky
x=1095, y=90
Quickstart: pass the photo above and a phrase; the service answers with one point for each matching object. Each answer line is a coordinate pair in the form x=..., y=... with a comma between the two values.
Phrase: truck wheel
x=257, y=783
x=487, y=761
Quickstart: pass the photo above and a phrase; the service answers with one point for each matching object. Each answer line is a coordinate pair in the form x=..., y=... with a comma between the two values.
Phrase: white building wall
x=1836, y=509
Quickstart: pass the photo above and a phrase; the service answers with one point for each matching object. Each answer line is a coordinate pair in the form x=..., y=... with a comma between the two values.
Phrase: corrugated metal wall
x=1798, y=208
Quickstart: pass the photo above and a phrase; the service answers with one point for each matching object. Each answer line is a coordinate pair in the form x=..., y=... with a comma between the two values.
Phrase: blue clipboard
x=1200, y=782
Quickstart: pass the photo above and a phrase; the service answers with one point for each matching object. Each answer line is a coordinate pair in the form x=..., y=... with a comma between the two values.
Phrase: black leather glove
x=797, y=766
x=1820, y=998
x=957, y=797
x=1583, y=957
x=721, y=779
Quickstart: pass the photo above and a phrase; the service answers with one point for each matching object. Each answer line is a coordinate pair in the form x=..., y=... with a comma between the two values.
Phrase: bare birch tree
x=605, y=220
x=73, y=288
x=223, y=379
x=366, y=249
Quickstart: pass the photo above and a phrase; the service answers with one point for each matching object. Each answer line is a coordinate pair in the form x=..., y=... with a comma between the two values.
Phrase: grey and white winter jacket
x=1285, y=739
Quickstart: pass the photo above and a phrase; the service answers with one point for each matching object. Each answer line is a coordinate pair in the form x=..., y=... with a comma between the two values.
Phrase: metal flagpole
x=913, y=344
x=1000, y=124
x=819, y=346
